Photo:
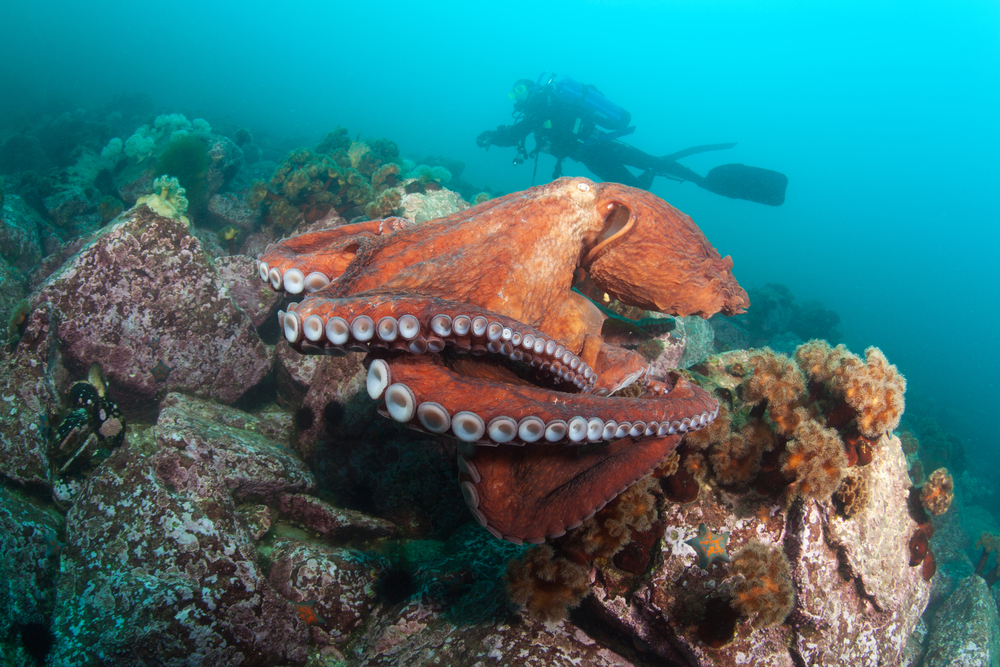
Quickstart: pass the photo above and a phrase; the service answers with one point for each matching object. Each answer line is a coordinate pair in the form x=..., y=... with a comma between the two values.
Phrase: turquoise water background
x=884, y=115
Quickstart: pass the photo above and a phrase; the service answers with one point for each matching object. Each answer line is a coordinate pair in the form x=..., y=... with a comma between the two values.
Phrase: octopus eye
x=583, y=187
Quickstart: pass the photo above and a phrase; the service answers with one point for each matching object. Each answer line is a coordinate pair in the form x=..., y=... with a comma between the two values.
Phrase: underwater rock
x=857, y=598
x=13, y=289
x=22, y=153
x=29, y=542
x=332, y=522
x=67, y=203
x=224, y=160
x=29, y=376
x=249, y=455
x=20, y=234
x=431, y=205
x=144, y=300
x=965, y=631
x=232, y=209
x=256, y=299
x=333, y=589
x=687, y=344
x=421, y=634
x=313, y=382
x=158, y=566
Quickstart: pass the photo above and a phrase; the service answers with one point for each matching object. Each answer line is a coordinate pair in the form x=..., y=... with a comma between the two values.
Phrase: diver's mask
x=520, y=93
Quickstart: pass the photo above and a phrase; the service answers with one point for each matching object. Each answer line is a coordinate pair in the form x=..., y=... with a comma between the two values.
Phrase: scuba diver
x=575, y=121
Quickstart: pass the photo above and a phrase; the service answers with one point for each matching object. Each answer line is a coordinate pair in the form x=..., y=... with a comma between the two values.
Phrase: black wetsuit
x=566, y=131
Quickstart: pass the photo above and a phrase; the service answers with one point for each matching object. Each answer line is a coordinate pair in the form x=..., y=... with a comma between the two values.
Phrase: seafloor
x=182, y=487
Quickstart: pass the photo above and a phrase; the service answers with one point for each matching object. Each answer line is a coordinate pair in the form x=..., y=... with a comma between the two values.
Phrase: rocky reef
x=258, y=511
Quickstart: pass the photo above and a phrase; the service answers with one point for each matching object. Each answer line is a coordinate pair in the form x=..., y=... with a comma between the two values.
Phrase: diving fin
x=694, y=150
x=738, y=181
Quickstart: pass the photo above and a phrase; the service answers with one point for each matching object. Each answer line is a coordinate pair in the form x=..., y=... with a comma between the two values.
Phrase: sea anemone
x=608, y=531
x=763, y=591
x=938, y=492
x=779, y=381
x=167, y=200
x=814, y=459
x=873, y=388
x=546, y=585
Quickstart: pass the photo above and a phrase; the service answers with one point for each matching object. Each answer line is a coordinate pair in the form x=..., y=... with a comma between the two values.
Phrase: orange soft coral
x=778, y=380
x=873, y=388
x=718, y=431
x=814, y=458
x=737, y=460
x=604, y=534
x=546, y=585
x=764, y=590
x=938, y=492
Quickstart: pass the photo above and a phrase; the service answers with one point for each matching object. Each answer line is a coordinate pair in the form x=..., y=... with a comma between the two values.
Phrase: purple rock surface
x=334, y=587
x=144, y=301
x=420, y=634
x=239, y=274
x=29, y=542
x=159, y=567
x=29, y=377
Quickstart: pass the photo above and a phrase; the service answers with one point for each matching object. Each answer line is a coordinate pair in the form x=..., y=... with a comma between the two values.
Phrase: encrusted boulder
x=232, y=209
x=20, y=234
x=965, y=631
x=224, y=160
x=250, y=455
x=857, y=599
x=422, y=634
x=159, y=566
x=29, y=542
x=13, y=288
x=67, y=203
x=239, y=274
x=311, y=383
x=143, y=299
x=30, y=376
x=332, y=522
x=333, y=588
x=431, y=205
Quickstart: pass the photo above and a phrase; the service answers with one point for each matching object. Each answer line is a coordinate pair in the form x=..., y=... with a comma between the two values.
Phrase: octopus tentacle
x=493, y=413
x=367, y=321
x=536, y=493
x=310, y=262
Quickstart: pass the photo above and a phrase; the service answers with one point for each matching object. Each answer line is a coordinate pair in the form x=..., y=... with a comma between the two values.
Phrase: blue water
x=882, y=114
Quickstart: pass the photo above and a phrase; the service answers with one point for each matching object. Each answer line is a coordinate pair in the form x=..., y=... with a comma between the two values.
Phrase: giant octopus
x=472, y=328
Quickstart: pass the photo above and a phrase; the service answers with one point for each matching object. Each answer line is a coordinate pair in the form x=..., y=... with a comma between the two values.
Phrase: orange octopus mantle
x=472, y=329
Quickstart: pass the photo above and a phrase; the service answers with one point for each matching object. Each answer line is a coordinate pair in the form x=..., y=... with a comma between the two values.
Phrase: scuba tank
x=605, y=113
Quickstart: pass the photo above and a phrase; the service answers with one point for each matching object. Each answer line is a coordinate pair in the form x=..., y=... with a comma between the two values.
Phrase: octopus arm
x=532, y=462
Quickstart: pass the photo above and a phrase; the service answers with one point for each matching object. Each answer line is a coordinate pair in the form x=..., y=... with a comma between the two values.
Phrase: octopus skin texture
x=472, y=328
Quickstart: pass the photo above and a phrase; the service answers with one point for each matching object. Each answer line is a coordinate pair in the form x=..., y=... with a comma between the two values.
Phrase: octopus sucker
x=379, y=377
x=400, y=402
x=406, y=317
x=315, y=281
x=509, y=359
x=294, y=281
